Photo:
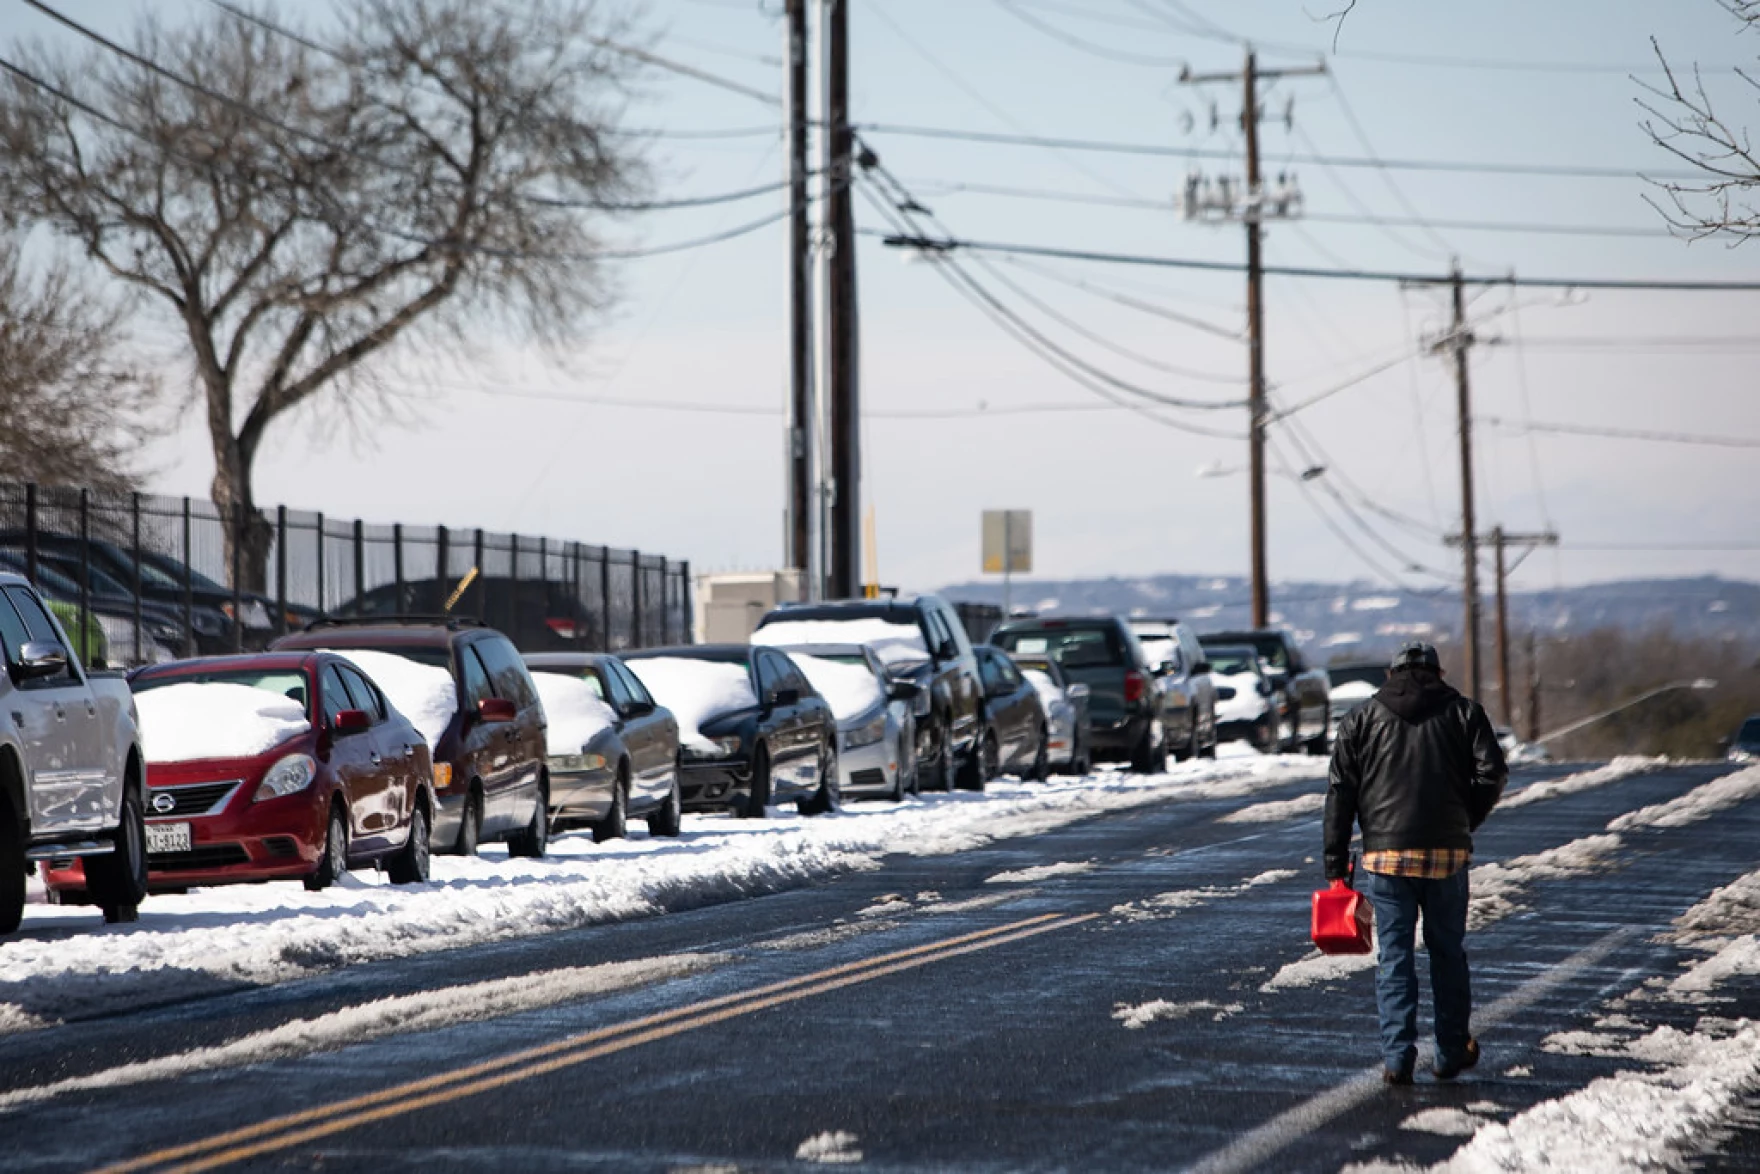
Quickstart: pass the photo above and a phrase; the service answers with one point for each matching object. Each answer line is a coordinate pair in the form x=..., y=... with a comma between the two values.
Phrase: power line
x=1606, y=433
x=1064, y=37
x=1127, y=300
x=1660, y=546
x=1176, y=152
x=939, y=245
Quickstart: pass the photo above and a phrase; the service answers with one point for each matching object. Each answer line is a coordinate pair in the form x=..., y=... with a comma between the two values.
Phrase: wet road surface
x=963, y=1012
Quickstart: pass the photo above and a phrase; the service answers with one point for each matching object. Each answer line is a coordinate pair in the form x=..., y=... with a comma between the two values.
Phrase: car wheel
x=829, y=797
x=1042, y=760
x=616, y=821
x=410, y=865
x=531, y=840
x=11, y=869
x=668, y=819
x=1320, y=744
x=334, y=862
x=759, y=797
x=470, y=828
x=982, y=764
x=902, y=783
x=118, y=882
x=1208, y=750
x=1143, y=753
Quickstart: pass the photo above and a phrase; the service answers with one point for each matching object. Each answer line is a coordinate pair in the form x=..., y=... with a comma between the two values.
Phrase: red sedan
x=275, y=766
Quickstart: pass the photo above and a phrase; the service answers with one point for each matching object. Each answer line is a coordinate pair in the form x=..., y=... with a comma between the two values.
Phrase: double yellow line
x=294, y=1129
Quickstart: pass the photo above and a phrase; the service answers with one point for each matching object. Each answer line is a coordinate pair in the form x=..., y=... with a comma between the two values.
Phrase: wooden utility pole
x=800, y=300
x=1252, y=213
x=1500, y=541
x=843, y=401
x=1533, y=687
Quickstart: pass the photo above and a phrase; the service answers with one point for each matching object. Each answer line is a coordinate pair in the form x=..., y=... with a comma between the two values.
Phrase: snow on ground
x=695, y=691
x=1165, y=905
x=1620, y=768
x=894, y=643
x=1029, y=876
x=398, y=1015
x=829, y=1149
x=261, y=934
x=1280, y=810
x=573, y=713
x=1699, y=803
x=215, y=719
x=849, y=689
x=1734, y=909
x=1143, y=1014
x=1447, y=1122
x=426, y=694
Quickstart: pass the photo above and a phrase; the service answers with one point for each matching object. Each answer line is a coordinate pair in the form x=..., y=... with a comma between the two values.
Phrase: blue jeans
x=1397, y=901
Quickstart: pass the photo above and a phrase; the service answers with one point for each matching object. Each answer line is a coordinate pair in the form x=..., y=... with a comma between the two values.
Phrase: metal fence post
x=441, y=558
x=397, y=564
x=686, y=613
x=85, y=577
x=30, y=531
x=482, y=587
x=580, y=601
x=281, y=569
x=134, y=500
x=238, y=527
x=512, y=632
x=189, y=591
x=321, y=610
x=665, y=607
x=360, y=564
x=636, y=632
x=605, y=599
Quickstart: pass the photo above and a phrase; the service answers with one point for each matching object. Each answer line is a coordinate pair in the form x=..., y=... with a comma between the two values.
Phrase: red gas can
x=1343, y=920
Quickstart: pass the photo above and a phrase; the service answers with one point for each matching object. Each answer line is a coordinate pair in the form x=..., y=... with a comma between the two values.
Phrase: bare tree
x=76, y=409
x=299, y=206
x=1682, y=118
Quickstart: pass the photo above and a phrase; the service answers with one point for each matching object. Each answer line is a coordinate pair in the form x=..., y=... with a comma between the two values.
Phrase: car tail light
x=563, y=627
x=1134, y=683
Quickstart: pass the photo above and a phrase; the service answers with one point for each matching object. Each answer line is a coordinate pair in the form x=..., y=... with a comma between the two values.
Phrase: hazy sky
x=1495, y=82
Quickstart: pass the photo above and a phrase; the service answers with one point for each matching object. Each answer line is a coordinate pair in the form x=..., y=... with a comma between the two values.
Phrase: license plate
x=167, y=837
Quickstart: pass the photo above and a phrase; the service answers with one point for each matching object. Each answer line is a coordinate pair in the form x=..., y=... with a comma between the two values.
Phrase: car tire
x=1041, y=767
x=410, y=865
x=11, y=869
x=669, y=817
x=334, y=862
x=981, y=765
x=615, y=824
x=758, y=798
x=1143, y=753
x=470, y=825
x=828, y=799
x=1208, y=750
x=1190, y=750
x=1320, y=744
x=532, y=840
x=118, y=882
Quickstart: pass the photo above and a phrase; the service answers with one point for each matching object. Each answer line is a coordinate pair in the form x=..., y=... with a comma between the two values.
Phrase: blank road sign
x=1008, y=541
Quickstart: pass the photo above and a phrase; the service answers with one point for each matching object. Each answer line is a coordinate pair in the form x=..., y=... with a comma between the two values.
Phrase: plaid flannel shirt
x=1427, y=863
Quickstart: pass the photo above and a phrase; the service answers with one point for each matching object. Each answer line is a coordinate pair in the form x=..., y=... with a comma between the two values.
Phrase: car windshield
x=1367, y=674
x=289, y=683
x=1229, y=661
x=1069, y=647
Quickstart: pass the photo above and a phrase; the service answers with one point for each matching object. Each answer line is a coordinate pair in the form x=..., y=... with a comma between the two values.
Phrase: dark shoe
x=1467, y=1059
x=1397, y=1076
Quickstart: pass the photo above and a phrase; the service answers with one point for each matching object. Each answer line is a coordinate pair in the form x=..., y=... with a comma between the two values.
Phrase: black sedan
x=752, y=730
x=1016, y=734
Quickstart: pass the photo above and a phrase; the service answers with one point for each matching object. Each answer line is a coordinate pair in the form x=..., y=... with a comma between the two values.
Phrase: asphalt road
x=936, y=1013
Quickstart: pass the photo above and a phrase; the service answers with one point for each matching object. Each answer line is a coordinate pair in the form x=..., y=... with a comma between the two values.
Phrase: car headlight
x=573, y=763
x=714, y=747
x=866, y=735
x=292, y=774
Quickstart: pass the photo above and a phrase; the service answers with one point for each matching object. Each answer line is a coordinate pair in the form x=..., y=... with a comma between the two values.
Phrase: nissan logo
x=164, y=803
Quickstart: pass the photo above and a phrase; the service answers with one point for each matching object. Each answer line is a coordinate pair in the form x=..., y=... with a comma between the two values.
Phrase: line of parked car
x=377, y=741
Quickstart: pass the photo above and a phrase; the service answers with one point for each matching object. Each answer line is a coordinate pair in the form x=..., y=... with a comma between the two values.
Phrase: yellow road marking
x=537, y=1061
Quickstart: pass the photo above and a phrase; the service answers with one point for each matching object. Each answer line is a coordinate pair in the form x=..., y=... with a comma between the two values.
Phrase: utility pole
x=1251, y=209
x=1460, y=339
x=1533, y=687
x=1500, y=541
x=800, y=301
x=843, y=512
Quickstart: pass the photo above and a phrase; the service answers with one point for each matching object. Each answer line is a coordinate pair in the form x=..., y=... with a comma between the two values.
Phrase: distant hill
x=1337, y=621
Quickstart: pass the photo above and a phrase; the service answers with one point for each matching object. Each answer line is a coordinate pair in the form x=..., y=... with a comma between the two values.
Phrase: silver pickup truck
x=71, y=767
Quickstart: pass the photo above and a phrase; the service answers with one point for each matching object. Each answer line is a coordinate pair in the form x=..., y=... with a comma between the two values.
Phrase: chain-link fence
x=155, y=577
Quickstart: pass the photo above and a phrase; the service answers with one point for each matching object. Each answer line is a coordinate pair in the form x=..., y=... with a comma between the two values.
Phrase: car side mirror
x=1202, y=667
x=41, y=658
x=1077, y=691
x=903, y=691
x=948, y=650
x=496, y=709
x=783, y=698
x=1264, y=688
x=351, y=721
x=636, y=709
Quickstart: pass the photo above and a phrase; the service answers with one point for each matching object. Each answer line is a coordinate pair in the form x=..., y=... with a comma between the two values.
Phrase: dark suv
x=489, y=756
x=922, y=640
x=539, y=615
x=1127, y=706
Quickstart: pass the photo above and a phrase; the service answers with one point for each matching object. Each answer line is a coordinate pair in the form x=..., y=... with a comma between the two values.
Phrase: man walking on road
x=1420, y=768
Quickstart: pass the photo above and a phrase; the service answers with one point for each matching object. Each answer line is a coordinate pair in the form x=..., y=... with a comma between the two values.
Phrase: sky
x=689, y=459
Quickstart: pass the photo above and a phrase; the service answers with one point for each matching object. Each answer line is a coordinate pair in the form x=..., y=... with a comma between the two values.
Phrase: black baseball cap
x=1417, y=655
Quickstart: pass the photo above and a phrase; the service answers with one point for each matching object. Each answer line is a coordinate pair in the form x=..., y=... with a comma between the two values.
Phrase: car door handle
x=375, y=757
x=91, y=709
x=60, y=713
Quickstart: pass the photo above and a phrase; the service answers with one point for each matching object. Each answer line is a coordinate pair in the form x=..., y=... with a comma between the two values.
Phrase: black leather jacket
x=1419, y=767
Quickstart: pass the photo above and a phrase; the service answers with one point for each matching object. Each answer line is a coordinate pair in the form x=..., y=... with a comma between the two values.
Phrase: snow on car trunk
x=423, y=693
x=574, y=713
x=695, y=691
x=849, y=689
x=215, y=719
x=895, y=643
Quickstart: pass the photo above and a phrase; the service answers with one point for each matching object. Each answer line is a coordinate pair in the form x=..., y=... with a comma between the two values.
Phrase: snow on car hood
x=850, y=689
x=1352, y=691
x=695, y=691
x=574, y=713
x=1247, y=703
x=215, y=719
x=1049, y=693
x=895, y=643
x=426, y=694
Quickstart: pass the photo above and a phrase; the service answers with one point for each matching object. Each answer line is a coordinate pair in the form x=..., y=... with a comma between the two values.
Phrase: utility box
x=730, y=604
